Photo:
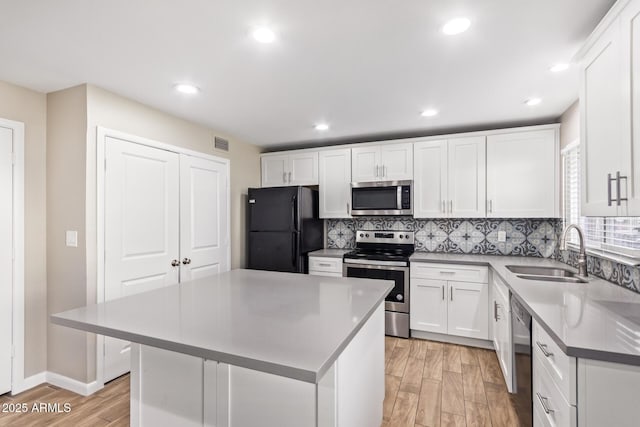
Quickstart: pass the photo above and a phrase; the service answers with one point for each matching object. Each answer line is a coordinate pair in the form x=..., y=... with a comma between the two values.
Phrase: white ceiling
x=366, y=67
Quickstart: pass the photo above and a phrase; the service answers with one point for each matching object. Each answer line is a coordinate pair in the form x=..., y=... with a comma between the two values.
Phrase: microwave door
x=369, y=200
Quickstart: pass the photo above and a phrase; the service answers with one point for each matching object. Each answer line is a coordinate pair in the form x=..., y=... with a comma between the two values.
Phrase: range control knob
x=399, y=297
x=401, y=236
x=361, y=235
x=366, y=235
x=406, y=236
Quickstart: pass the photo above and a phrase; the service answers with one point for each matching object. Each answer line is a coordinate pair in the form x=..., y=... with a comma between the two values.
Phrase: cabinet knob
x=186, y=261
x=175, y=263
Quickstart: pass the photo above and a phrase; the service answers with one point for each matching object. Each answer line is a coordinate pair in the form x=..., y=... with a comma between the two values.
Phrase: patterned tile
x=524, y=237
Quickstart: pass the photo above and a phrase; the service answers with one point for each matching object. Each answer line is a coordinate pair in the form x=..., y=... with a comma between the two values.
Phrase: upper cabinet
x=382, y=162
x=335, y=183
x=610, y=114
x=523, y=174
x=290, y=168
x=450, y=178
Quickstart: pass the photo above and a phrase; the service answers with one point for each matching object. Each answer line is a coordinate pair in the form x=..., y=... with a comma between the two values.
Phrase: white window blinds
x=617, y=235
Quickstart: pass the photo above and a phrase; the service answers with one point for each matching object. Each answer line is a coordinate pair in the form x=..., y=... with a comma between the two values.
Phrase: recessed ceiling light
x=186, y=88
x=263, y=35
x=321, y=127
x=429, y=112
x=456, y=26
x=559, y=67
x=533, y=101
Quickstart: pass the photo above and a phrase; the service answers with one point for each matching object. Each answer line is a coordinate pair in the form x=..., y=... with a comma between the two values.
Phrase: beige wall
x=29, y=107
x=75, y=115
x=570, y=125
x=66, y=272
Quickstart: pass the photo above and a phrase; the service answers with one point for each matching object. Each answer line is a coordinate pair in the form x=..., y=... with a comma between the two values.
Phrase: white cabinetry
x=382, y=162
x=450, y=299
x=609, y=102
x=335, y=183
x=291, y=168
x=325, y=266
x=522, y=174
x=450, y=178
x=502, y=338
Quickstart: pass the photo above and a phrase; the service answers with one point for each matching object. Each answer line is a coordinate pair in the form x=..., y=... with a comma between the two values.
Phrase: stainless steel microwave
x=382, y=198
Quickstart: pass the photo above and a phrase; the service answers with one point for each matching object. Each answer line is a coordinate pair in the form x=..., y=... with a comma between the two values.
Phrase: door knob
x=175, y=263
x=186, y=261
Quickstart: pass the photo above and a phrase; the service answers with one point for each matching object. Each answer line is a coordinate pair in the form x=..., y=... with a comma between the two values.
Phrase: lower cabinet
x=502, y=337
x=450, y=307
x=325, y=266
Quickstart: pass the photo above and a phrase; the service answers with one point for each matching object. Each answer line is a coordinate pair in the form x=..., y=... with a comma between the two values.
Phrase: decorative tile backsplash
x=525, y=237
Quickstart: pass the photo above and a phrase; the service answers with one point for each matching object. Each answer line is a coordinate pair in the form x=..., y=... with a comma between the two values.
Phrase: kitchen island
x=247, y=347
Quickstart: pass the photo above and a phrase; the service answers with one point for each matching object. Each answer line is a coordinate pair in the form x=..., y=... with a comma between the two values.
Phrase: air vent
x=221, y=144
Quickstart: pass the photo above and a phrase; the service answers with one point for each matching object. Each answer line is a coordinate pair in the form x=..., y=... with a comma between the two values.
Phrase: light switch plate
x=72, y=238
x=502, y=236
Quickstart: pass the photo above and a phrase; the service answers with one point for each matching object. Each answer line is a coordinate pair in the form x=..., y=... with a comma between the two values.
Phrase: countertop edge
x=583, y=353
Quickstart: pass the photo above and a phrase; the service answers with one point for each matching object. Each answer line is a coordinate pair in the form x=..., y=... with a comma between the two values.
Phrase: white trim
x=454, y=339
x=31, y=382
x=570, y=146
x=602, y=26
x=17, y=363
x=102, y=134
x=84, y=389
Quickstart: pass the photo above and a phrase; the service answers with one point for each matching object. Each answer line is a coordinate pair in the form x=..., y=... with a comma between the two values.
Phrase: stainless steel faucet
x=582, y=255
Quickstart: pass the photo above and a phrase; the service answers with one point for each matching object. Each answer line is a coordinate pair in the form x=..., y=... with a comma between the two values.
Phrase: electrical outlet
x=502, y=236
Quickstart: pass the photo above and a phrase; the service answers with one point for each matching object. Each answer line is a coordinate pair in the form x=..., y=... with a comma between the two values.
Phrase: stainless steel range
x=385, y=255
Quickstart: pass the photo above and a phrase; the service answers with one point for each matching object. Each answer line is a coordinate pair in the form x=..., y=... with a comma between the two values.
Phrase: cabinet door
x=396, y=161
x=601, y=108
x=522, y=175
x=468, y=310
x=467, y=177
x=430, y=183
x=274, y=170
x=303, y=169
x=428, y=305
x=335, y=183
x=365, y=164
x=630, y=28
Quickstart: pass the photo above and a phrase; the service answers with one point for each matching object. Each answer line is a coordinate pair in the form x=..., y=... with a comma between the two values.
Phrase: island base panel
x=169, y=388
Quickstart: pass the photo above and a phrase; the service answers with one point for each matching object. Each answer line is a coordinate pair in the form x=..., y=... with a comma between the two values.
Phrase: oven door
x=398, y=298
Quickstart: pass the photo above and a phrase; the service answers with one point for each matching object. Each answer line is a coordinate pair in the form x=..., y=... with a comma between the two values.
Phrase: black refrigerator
x=283, y=227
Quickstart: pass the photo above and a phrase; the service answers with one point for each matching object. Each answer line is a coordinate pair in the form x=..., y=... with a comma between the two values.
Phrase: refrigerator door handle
x=294, y=212
x=294, y=252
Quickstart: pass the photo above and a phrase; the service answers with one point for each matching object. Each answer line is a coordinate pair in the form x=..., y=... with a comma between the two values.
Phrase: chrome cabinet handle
x=618, y=188
x=348, y=210
x=444, y=209
x=495, y=311
x=609, y=179
x=376, y=171
x=289, y=177
x=451, y=292
x=543, y=401
x=543, y=349
x=442, y=292
x=490, y=206
x=284, y=177
x=175, y=263
x=324, y=264
x=450, y=206
x=186, y=261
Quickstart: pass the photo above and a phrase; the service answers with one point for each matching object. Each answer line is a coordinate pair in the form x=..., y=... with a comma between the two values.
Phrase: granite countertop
x=292, y=325
x=595, y=320
x=330, y=253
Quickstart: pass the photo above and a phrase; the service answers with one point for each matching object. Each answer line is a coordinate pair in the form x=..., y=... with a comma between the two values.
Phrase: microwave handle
x=399, y=197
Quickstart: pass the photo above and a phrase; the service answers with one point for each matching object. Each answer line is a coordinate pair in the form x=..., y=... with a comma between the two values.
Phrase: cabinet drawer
x=324, y=273
x=322, y=264
x=459, y=273
x=549, y=406
x=559, y=367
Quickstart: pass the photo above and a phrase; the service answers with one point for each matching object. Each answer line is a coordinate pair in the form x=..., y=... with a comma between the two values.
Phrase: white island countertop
x=292, y=325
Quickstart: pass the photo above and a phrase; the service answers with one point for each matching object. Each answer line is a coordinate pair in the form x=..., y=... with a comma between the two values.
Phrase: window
x=617, y=235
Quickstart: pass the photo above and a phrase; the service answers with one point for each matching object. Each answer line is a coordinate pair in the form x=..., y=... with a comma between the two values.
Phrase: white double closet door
x=6, y=256
x=166, y=221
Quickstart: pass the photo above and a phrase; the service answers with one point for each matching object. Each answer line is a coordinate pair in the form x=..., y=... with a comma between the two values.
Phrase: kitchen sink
x=540, y=271
x=562, y=279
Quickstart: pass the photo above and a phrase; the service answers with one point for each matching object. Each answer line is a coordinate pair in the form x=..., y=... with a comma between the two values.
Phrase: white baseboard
x=471, y=342
x=29, y=383
x=85, y=389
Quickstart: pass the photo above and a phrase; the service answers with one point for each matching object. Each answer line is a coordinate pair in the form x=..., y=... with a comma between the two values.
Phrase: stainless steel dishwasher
x=521, y=331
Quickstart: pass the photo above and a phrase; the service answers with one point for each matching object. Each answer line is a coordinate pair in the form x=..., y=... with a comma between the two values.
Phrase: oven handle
x=345, y=267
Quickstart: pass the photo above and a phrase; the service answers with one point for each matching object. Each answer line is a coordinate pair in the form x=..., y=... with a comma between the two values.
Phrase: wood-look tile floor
x=428, y=384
